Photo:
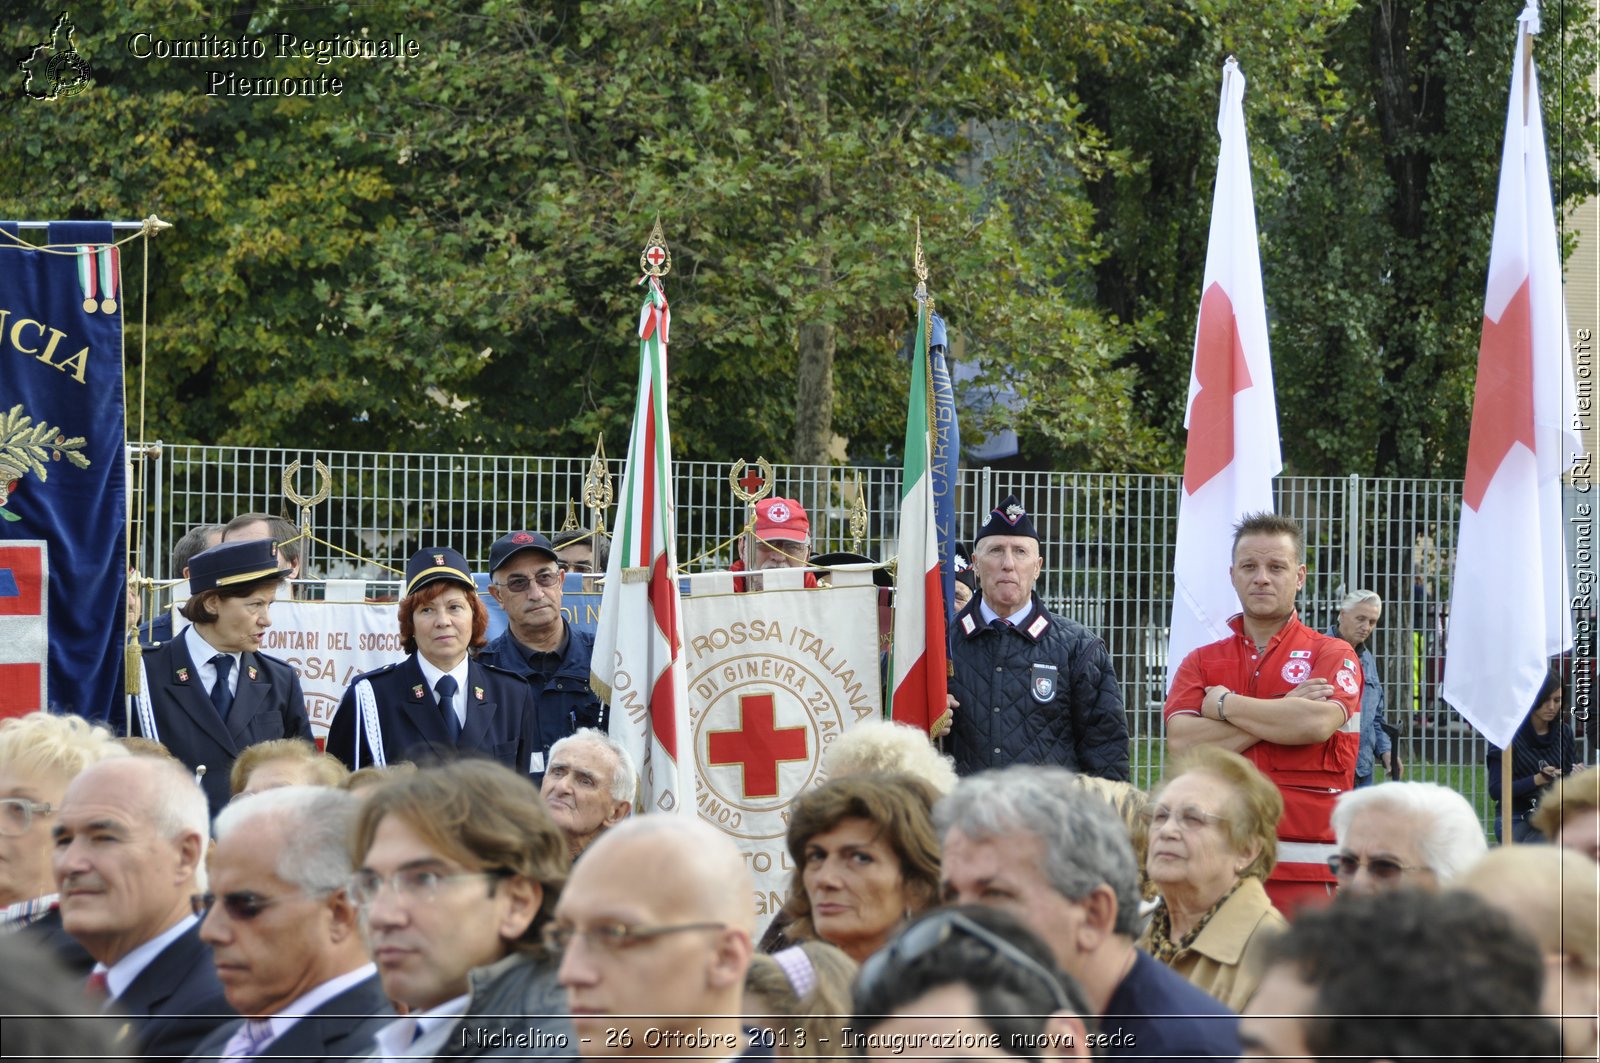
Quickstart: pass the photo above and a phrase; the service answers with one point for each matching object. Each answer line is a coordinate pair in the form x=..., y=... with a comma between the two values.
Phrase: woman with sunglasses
x=1543, y=751
x=1212, y=842
x=866, y=860
x=438, y=703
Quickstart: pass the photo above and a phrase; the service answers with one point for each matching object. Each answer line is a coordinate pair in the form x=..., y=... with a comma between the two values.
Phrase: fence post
x=1354, y=541
x=159, y=527
x=988, y=494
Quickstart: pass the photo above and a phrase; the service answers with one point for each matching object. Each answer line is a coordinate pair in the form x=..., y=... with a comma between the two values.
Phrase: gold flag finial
x=858, y=517
x=323, y=481
x=919, y=264
x=597, y=493
x=571, y=523
x=656, y=258
x=751, y=487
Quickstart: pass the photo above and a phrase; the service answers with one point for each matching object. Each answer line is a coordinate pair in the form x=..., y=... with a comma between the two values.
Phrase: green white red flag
x=638, y=664
x=917, y=660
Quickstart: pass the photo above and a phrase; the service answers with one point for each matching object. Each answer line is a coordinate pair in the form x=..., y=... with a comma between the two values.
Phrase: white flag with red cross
x=1232, y=416
x=1508, y=601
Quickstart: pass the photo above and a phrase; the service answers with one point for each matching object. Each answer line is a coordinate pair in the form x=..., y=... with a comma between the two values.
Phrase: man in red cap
x=781, y=538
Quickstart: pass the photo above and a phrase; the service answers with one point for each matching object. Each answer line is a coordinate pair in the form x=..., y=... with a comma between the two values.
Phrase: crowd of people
x=464, y=871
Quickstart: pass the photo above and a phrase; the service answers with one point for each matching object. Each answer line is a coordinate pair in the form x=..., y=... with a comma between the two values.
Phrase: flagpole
x=1505, y=794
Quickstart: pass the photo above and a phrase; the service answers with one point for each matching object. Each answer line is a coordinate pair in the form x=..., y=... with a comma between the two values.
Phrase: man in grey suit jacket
x=284, y=934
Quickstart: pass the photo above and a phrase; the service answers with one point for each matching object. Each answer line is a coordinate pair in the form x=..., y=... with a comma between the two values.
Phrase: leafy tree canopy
x=440, y=257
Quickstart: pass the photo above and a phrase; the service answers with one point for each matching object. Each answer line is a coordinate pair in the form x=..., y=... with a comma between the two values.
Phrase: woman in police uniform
x=438, y=703
x=209, y=693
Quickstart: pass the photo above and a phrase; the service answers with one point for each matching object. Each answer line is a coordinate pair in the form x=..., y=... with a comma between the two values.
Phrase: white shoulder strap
x=368, y=707
x=147, y=715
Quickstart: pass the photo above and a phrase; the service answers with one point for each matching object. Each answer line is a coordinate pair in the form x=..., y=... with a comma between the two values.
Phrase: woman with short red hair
x=438, y=703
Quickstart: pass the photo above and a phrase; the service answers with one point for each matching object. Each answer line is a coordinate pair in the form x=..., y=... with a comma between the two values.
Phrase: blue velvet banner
x=945, y=472
x=63, y=478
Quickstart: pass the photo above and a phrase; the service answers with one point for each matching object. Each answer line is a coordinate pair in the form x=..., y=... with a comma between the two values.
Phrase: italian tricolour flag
x=917, y=659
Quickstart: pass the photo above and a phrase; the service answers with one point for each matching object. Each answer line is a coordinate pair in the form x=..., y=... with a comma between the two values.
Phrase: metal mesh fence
x=1108, y=547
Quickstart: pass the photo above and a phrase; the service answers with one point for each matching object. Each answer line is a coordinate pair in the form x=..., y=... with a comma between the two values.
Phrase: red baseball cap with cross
x=782, y=519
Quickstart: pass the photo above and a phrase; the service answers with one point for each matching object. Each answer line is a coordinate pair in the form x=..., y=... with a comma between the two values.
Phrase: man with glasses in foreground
x=457, y=870
x=970, y=982
x=550, y=655
x=130, y=843
x=284, y=934
x=655, y=930
x=1417, y=834
x=1027, y=840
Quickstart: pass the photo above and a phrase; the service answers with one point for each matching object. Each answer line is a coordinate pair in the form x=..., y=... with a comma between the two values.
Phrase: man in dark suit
x=130, y=839
x=284, y=933
x=210, y=692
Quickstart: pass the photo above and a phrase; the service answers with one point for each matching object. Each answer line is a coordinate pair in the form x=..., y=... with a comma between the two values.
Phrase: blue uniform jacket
x=498, y=724
x=1374, y=739
x=566, y=702
x=268, y=704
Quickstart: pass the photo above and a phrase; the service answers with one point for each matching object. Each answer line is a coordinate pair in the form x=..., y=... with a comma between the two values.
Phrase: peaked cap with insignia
x=1008, y=518
x=435, y=563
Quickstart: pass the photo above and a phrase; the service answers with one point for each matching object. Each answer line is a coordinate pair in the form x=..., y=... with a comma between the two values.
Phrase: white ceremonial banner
x=774, y=676
x=329, y=644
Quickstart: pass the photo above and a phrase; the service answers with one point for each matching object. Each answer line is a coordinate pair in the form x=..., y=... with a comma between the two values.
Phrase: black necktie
x=1000, y=623
x=221, y=696
x=446, y=689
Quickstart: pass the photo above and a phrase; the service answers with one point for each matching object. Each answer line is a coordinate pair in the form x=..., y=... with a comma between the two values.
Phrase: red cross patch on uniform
x=1297, y=671
x=1346, y=680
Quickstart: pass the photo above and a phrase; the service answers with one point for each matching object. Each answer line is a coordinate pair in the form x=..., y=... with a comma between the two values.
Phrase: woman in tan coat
x=1212, y=842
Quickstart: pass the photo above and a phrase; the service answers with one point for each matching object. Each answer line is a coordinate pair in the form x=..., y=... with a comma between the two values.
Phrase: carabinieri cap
x=1008, y=518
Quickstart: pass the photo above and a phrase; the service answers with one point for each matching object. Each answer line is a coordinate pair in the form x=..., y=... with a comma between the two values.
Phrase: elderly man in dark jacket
x=1029, y=687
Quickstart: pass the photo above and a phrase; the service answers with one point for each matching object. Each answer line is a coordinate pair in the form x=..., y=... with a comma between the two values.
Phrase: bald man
x=656, y=921
x=1554, y=892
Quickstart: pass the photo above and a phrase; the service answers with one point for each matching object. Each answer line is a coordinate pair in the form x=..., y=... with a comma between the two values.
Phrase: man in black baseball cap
x=1030, y=687
x=551, y=656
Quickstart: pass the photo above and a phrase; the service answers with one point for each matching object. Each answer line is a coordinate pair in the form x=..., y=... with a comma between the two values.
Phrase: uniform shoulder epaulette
x=497, y=669
x=379, y=671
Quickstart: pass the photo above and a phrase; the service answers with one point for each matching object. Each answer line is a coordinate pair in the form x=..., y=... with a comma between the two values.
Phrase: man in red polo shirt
x=1286, y=697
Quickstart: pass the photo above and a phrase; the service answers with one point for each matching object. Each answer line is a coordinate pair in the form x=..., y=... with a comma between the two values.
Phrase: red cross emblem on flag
x=757, y=746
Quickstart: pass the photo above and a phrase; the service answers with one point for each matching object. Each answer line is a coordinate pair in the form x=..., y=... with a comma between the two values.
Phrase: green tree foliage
x=441, y=256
